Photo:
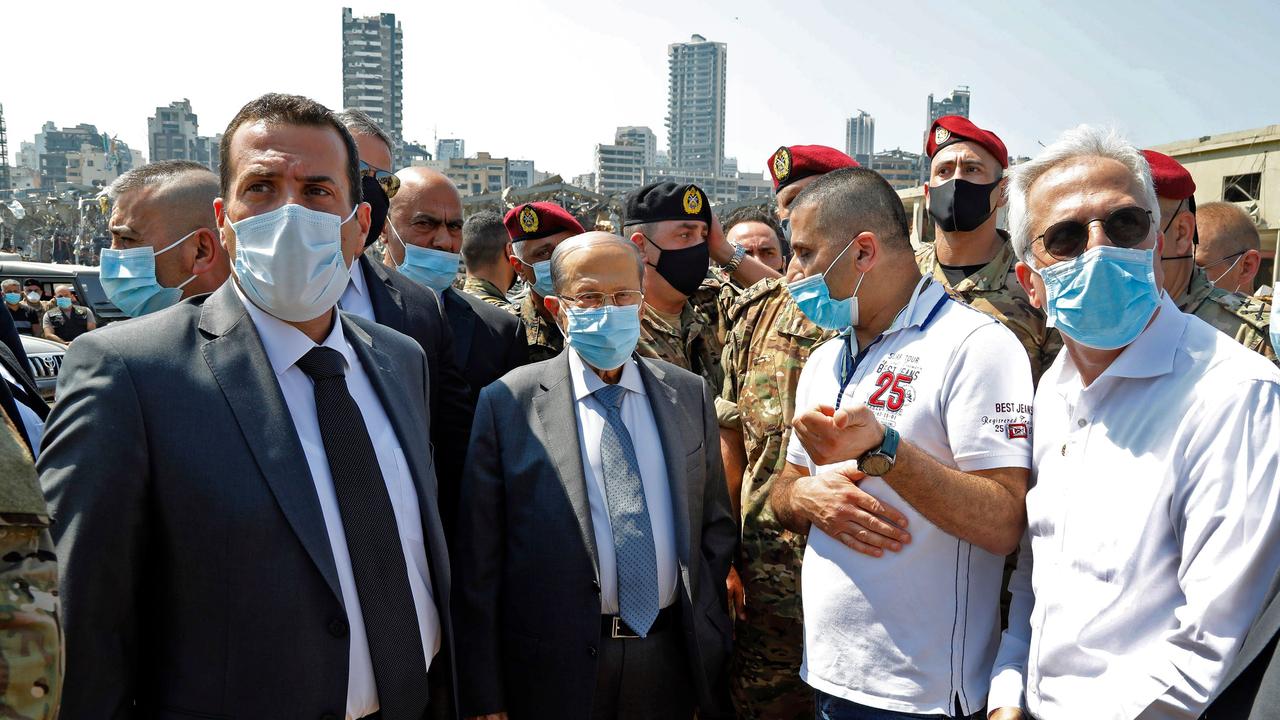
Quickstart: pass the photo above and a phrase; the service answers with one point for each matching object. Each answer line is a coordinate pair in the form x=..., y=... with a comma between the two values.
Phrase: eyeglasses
x=387, y=179
x=1126, y=227
x=593, y=300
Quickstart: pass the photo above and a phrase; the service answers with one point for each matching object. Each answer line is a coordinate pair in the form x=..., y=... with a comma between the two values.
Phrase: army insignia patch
x=529, y=219
x=940, y=135
x=782, y=164
x=693, y=201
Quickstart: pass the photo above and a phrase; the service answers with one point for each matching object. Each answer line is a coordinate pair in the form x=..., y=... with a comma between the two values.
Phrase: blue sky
x=547, y=80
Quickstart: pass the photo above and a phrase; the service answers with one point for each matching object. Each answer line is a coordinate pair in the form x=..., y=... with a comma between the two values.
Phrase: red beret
x=1171, y=179
x=951, y=129
x=789, y=164
x=531, y=221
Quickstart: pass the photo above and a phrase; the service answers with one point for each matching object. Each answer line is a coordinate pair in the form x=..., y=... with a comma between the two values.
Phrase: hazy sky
x=547, y=80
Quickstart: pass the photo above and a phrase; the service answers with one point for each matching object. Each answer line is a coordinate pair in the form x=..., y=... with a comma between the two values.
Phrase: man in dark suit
x=423, y=238
x=244, y=508
x=594, y=533
x=382, y=294
x=1251, y=688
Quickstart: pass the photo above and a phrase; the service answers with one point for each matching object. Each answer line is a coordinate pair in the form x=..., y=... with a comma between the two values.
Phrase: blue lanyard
x=849, y=362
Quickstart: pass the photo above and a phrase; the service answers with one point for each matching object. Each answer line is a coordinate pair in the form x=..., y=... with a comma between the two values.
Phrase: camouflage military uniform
x=768, y=344
x=1245, y=318
x=713, y=298
x=545, y=339
x=30, y=634
x=995, y=291
x=489, y=293
x=693, y=346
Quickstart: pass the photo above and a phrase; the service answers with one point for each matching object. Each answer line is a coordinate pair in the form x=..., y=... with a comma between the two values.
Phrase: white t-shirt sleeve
x=796, y=454
x=986, y=401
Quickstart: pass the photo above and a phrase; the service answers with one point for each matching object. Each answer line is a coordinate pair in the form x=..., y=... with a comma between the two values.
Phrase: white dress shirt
x=638, y=417
x=355, y=298
x=1152, y=534
x=285, y=345
x=915, y=631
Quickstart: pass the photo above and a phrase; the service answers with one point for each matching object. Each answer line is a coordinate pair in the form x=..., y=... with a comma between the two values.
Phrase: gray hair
x=10, y=281
x=63, y=286
x=358, y=122
x=163, y=172
x=1082, y=141
x=582, y=242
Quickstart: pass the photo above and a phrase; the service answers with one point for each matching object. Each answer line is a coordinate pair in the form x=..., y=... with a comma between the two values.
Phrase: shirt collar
x=1150, y=355
x=357, y=277
x=285, y=344
x=586, y=382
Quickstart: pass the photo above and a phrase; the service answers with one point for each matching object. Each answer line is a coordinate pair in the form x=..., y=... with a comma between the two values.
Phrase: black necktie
x=369, y=523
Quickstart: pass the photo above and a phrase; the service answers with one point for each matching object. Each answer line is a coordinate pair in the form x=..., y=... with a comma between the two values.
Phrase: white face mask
x=289, y=261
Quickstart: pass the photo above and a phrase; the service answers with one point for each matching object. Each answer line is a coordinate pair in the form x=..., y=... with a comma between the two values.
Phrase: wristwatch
x=735, y=260
x=879, y=461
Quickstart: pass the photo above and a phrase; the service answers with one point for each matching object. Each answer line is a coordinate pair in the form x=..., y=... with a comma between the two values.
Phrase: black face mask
x=961, y=206
x=684, y=269
x=379, y=203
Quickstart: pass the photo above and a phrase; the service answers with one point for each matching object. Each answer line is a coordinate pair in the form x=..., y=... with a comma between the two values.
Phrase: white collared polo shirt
x=915, y=631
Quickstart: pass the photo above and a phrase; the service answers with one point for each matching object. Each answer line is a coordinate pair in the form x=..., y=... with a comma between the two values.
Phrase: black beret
x=661, y=201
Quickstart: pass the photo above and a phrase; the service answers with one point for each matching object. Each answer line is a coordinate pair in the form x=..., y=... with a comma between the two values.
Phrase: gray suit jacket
x=528, y=593
x=1251, y=688
x=197, y=577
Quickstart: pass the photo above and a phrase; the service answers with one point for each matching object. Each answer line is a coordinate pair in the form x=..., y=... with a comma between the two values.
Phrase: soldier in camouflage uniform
x=1244, y=318
x=688, y=340
x=30, y=632
x=485, y=252
x=970, y=256
x=535, y=230
x=767, y=344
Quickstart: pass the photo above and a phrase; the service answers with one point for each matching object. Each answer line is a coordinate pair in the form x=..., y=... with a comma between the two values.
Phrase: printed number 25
x=897, y=394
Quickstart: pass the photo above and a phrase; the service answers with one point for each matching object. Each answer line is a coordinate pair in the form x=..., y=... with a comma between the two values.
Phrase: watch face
x=875, y=464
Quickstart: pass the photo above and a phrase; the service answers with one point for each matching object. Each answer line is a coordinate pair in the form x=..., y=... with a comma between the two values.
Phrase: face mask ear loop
x=177, y=243
x=833, y=262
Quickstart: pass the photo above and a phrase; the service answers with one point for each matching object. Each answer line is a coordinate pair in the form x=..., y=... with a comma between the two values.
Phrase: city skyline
x=796, y=76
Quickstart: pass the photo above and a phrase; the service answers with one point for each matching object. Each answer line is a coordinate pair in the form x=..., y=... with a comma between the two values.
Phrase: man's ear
x=1024, y=273
x=1003, y=198
x=1185, y=223
x=1249, y=264
x=552, y=304
x=208, y=246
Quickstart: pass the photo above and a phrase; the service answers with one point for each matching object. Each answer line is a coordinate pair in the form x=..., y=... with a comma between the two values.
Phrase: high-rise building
x=639, y=136
x=449, y=148
x=173, y=133
x=5, y=181
x=620, y=166
x=695, y=104
x=957, y=103
x=372, y=71
x=860, y=138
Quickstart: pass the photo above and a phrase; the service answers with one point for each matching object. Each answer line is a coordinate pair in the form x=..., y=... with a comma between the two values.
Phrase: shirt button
x=338, y=628
x=591, y=650
x=1081, y=422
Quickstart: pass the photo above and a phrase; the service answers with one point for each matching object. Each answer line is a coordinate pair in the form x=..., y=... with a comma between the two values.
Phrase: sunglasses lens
x=1127, y=227
x=390, y=185
x=1066, y=239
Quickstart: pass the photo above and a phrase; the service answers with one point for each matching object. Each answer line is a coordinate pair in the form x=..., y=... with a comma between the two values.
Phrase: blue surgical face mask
x=289, y=261
x=129, y=279
x=13, y=298
x=605, y=336
x=542, y=284
x=63, y=302
x=436, y=269
x=813, y=296
x=1104, y=298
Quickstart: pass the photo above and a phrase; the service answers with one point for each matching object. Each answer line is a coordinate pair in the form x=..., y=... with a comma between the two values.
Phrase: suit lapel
x=238, y=362
x=388, y=305
x=558, y=417
x=686, y=488
x=463, y=324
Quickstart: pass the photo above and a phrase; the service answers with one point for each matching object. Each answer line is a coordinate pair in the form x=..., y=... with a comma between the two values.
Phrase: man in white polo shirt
x=907, y=469
x=1153, y=536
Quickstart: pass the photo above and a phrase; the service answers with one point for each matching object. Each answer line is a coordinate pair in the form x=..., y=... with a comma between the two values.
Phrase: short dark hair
x=857, y=200
x=757, y=214
x=278, y=108
x=484, y=240
x=152, y=173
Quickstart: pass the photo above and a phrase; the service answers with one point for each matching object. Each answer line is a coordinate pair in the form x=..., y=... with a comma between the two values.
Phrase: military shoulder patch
x=529, y=219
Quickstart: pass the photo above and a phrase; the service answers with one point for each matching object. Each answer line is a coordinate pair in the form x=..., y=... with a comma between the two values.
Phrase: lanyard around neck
x=849, y=361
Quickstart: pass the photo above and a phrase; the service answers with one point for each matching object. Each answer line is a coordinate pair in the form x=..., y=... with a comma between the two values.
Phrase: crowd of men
x=784, y=466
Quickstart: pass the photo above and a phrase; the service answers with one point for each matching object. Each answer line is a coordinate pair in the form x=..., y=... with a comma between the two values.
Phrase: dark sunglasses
x=387, y=179
x=1126, y=227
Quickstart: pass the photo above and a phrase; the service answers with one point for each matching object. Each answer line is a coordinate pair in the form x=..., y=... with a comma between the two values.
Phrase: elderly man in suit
x=594, y=534
x=244, y=504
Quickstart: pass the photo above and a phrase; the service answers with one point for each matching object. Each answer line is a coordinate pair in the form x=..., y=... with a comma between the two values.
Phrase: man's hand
x=836, y=505
x=737, y=595
x=832, y=436
x=1005, y=713
x=720, y=248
